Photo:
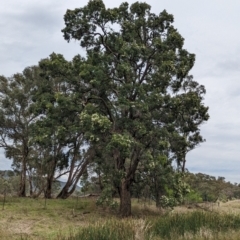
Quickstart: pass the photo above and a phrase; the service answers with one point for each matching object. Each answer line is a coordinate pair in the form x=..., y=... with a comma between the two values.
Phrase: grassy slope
x=30, y=217
x=71, y=219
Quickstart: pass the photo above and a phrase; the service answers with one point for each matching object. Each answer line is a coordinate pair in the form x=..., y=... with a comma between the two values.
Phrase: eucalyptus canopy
x=135, y=69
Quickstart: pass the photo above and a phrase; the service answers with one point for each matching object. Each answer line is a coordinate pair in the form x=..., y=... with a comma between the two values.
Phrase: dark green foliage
x=142, y=99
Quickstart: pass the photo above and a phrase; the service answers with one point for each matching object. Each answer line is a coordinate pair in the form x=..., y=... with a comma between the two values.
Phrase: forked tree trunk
x=125, y=199
x=72, y=181
x=65, y=193
x=50, y=177
x=124, y=188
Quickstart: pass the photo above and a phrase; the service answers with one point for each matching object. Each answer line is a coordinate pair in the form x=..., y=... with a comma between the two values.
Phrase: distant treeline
x=200, y=187
x=209, y=188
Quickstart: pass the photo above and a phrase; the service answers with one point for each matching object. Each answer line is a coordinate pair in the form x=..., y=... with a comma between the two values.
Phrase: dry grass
x=206, y=234
x=232, y=207
x=31, y=219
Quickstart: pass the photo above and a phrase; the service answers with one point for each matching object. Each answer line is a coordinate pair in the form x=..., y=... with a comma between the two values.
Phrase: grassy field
x=81, y=219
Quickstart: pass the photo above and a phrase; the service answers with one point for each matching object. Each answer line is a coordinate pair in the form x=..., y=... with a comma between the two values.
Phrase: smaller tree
x=16, y=118
x=58, y=130
x=189, y=113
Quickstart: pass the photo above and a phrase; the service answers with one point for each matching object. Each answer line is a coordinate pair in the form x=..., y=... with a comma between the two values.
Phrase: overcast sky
x=31, y=30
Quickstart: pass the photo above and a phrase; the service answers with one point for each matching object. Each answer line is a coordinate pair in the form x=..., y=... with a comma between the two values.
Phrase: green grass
x=25, y=218
x=109, y=230
x=192, y=223
x=31, y=219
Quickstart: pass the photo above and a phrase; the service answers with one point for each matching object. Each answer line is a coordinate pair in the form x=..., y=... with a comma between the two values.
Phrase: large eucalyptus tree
x=135, y=67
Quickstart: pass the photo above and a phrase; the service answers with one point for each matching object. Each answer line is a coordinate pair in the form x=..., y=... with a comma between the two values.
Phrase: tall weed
x=181, y=224
x=109, y=230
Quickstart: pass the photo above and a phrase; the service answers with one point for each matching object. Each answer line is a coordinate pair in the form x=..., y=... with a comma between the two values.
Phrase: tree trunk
x=51, y=173
x=48, y=190
x=183, y=166
x=125, y=199
x=72, y=181
x=158, y=195
x=22, y=187
x=64, y=193
x=30, y=187
x=157, y=192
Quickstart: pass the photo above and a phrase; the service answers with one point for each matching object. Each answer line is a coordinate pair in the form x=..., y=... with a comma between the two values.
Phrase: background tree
x=58, y=130
x=210, y=188
x=16, y=118
x=189, y=113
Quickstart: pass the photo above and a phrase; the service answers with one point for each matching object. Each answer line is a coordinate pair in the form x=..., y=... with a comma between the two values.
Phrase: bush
x=193, y=197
